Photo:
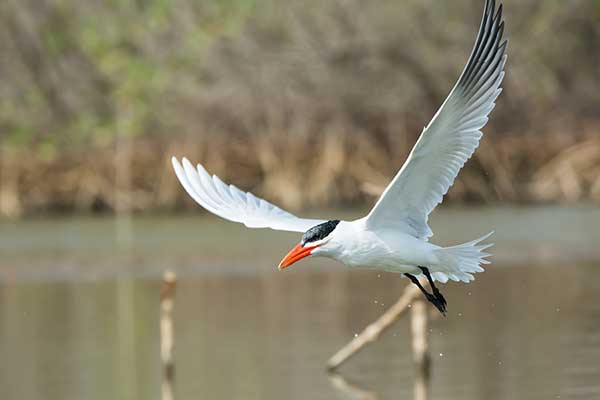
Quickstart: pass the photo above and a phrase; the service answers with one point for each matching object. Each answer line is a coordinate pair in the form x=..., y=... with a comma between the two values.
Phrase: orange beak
x=296, y=254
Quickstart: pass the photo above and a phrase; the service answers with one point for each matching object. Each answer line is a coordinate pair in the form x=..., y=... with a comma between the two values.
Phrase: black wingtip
x=499, y=12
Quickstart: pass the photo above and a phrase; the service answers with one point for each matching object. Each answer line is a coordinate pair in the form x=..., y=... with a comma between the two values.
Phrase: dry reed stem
x=418, y=323
x=10, y=204
x=372, y=332
x=167, y=294
x=350, y=388
x=347, y=170
x=354, y=391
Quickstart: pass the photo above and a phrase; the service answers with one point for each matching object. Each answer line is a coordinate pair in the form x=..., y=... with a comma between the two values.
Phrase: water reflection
x=245, y=331
x=355, y=391
x=351, y=390
x=517, y=332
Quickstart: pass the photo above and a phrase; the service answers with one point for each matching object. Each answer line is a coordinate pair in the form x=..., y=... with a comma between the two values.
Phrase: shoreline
x=530, y=169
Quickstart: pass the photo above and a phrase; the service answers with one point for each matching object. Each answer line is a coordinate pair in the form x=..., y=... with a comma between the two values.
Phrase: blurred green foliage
x=347, y=84
x=81, y=72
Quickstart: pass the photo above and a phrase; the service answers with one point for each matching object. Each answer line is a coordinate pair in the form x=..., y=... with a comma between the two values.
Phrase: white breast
x=390, y=250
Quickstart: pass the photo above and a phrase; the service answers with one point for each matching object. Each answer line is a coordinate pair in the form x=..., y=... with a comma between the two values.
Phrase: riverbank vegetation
x=312, y=103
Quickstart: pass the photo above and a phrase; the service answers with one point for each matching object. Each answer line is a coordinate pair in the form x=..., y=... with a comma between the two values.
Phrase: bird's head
x=315, y=241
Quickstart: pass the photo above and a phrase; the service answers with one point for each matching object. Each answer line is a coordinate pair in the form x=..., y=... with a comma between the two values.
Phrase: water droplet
x=410, y=305
x=441, y=354
x=557, y=309
x=379, y=275
x=469, y=293
x=460, y=314
x=499, y=362
x=356, y=335
x=375, y=301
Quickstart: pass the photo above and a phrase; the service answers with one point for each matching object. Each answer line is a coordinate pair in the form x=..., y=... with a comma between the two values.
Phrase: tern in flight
x=394, y=236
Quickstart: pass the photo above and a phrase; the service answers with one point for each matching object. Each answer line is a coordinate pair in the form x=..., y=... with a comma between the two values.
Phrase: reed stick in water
x=372, y=332
x=167, y=298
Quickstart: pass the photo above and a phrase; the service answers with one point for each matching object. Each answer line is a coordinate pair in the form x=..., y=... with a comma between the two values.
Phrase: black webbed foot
x=440, y=297
x=437, y=303
x=436, y=299
x=434, y=289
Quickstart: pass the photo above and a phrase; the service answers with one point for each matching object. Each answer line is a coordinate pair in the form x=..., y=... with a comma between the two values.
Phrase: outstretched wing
x=231, y=203
x=450, y=138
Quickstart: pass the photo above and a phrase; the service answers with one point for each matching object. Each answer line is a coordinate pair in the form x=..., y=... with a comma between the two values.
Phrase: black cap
x=319, y=232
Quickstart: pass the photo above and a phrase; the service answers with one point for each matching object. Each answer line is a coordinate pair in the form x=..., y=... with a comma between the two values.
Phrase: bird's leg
x=435, y=290
x=430, y=297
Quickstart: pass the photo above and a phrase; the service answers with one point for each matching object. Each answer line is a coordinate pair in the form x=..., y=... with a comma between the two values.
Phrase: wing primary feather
x=183, y=179
x=490, y=69
x=450, y=138
x=203, y=179
x=480, y=60
x=478, y=48
x=231, y=203
x=201, y=189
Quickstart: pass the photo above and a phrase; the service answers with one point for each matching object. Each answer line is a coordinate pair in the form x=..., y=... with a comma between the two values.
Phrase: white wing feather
x=229, y=202
x=450, y=138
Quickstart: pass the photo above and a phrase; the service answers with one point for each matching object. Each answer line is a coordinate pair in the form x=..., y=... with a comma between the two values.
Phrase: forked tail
x=459, y=262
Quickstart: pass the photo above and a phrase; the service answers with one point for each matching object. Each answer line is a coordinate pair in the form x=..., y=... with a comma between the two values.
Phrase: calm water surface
x=79, y=312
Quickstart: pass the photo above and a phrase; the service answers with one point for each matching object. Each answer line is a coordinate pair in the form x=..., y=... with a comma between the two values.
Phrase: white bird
x=394, y=236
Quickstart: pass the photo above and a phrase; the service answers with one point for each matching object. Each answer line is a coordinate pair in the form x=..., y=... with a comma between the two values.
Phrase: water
x=79, y=313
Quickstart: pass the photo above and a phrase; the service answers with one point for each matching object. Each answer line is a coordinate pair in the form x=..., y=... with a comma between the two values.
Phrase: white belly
x=392, y=251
